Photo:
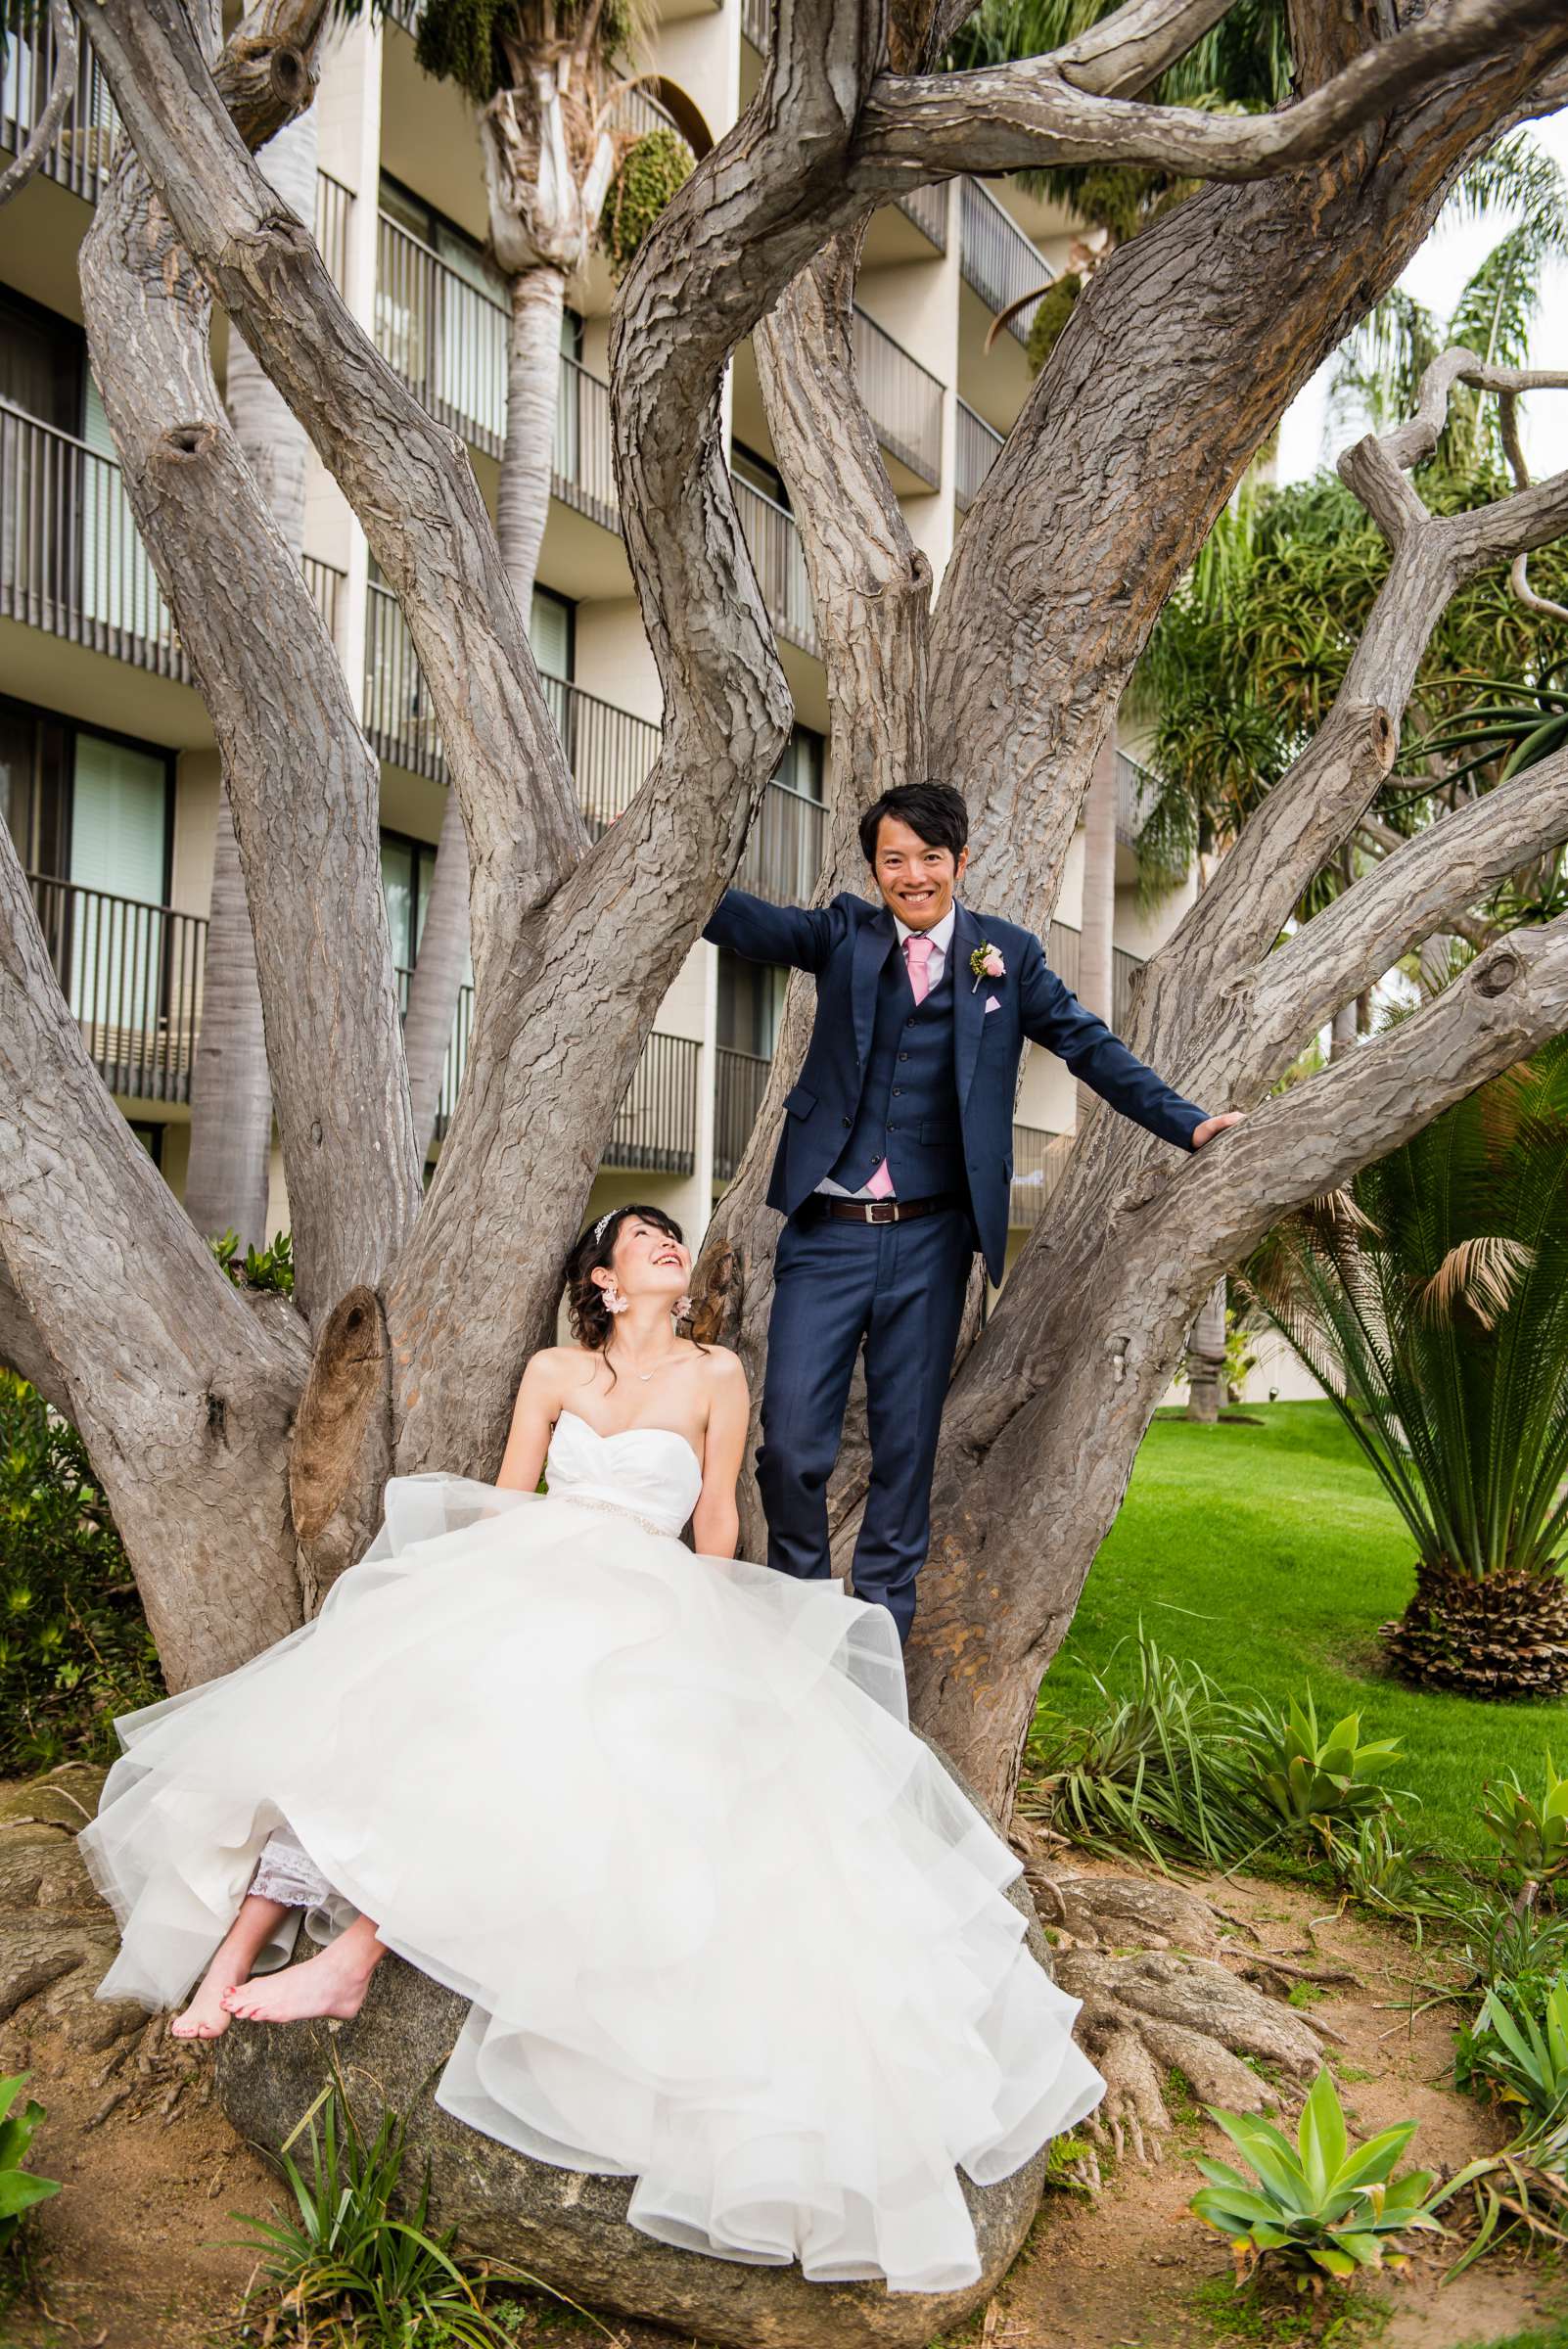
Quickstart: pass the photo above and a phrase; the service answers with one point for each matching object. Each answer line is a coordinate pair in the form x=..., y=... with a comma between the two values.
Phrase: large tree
x=243, y=1442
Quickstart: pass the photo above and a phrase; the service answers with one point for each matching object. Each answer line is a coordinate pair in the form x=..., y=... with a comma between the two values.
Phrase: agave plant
x=1430, y=1302
x=19, y=2190
x=1315, y=1782
x=1519, y=2056
x=1531, y=1837
x=1319, y=2208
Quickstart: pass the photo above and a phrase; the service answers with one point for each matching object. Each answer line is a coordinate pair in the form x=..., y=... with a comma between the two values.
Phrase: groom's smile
x=916, y=877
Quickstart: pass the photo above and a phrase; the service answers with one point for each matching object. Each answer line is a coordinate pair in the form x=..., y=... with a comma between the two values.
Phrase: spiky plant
x=1430, y=1302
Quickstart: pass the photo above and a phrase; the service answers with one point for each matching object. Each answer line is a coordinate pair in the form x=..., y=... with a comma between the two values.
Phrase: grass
x=1269, y=1554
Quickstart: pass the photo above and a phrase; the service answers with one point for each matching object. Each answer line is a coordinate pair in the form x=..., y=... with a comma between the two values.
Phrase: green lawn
x=1269, y=1555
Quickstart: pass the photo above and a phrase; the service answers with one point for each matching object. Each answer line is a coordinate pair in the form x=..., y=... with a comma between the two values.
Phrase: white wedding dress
x=727, y=1926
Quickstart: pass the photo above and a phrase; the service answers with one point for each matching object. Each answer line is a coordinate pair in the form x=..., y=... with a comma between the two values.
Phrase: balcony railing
x=976, y=448
x=784, y=852
x=84, y=152
x=1137, y=788
x=996, y=258
x=334, y=212
x=132, y=974
x=779, y=561
x=927, y=207
x=456, y=1060
x=1039, y=1160
x=584, y=459
x=326, y=583
x=445, y=337
x=71, y=558
x=656, y=1125
x=741, y=1081
x=399, y=714
x=1124, y=968
x=1061, y=952
x=902, y=398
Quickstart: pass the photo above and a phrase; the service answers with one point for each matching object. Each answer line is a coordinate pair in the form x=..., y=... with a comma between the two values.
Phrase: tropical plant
x=1518, y=2052
x=1319, y=1783
x=649, y=174
x=345, y=2271
x=74, y=1647
x=1319, y=2208
x=19, y=2190
x=1429, y=1300
x=1531, y=1835
x=270, y=1267
x=1163, y=1771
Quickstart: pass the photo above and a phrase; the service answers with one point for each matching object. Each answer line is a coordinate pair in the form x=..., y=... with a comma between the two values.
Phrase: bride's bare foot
x=206, y=2017
x=333, y=1983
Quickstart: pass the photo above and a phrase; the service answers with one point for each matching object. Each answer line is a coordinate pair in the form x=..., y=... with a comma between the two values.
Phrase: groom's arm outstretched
x=804, y=936
x=1052, y=1015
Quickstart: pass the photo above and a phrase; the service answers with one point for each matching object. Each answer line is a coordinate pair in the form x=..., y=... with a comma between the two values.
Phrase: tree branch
x=1123, y=53
x=918, y=127
x=407, y=479
x=68, y=56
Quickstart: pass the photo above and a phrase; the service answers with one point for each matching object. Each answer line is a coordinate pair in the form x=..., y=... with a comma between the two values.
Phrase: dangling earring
x=614, y=1302
x=682, y=1307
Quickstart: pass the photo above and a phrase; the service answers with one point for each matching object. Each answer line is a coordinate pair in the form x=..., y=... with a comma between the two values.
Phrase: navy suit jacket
x=846, y=944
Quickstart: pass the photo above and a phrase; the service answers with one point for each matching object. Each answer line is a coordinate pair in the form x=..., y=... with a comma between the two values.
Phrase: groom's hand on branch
x=1211, y=1126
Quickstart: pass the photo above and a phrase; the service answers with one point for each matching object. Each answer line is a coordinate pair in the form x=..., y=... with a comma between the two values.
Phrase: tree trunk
x=226, y=1179
x=1205, y=1358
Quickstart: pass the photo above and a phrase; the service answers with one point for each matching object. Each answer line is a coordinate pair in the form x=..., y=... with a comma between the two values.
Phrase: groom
x=894, y=1166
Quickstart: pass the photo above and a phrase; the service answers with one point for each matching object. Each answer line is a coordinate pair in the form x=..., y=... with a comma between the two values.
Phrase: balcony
x=741, y=1081
x=779, y=562
x=1124, y=968
x=132, y=974
x=656, y=1126
x=976, y=448
x=1039, y=1161
x=84, y=153
x=1137, y=787
x=902, y=398
x=995, y=258
x=72, y=562
x=784, y=852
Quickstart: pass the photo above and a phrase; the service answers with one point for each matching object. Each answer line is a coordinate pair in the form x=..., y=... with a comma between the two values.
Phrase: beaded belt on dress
x=616, y=1508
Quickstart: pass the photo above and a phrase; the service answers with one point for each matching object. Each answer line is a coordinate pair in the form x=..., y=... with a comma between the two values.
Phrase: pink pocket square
x=992, y=1003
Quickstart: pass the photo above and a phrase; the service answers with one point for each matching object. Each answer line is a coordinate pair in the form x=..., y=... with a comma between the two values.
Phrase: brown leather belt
x=879, y=1211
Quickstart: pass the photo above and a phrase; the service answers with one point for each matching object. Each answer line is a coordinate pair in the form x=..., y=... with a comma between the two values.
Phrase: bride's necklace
x=645, y=1375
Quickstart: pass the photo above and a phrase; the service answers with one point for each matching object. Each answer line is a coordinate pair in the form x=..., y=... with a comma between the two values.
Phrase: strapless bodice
x=651, y=1472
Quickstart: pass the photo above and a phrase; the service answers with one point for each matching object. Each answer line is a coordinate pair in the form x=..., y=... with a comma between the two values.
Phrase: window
x=801, y=769
x=747, y=466
x=35, y=787
x=750, y=1003
x=406, y=868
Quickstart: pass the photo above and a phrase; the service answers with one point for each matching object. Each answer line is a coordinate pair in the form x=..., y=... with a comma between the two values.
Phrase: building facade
x=109, y=771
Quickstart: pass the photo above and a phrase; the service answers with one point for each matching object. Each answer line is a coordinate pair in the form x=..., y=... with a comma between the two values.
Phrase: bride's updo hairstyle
x=590, y=1317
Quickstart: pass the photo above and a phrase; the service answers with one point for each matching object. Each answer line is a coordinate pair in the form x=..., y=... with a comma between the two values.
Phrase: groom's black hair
x=933, y=810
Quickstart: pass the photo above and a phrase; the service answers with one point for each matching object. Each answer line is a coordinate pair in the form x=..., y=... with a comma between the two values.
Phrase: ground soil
x=130, y=2255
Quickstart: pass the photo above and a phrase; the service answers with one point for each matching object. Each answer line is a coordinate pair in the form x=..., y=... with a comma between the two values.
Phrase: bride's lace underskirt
x=286, y=1871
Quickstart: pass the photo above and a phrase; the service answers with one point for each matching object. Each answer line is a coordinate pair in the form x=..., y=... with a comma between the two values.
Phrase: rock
x=567, y=2227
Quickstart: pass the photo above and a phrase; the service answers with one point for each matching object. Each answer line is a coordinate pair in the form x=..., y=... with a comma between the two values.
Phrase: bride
x=727, y=1925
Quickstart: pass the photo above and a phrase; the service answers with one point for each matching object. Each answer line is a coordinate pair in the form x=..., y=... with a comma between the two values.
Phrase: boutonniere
x=987, y=963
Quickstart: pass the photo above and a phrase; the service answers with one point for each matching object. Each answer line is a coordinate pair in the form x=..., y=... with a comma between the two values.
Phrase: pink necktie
x=917, y=953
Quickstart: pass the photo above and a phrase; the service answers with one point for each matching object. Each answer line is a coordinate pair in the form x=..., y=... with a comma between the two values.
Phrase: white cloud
x=1436, y=277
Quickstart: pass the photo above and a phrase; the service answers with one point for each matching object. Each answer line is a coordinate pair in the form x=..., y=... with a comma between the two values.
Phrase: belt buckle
x=882, y=1210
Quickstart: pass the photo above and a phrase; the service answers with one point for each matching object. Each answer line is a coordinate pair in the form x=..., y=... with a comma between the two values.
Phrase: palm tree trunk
x=1206, y=1357
x=521, y=507
x=231, y=1095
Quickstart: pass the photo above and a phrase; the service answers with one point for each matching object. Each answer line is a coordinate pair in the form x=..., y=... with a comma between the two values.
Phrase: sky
x=1436, y=278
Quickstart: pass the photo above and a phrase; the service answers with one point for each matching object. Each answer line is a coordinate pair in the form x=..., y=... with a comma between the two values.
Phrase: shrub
x=1318, y=2208
x=1532, y=1838
x=270, y=1267
x=74, y=1647
x=1316, y=1782
x=1520, y=2054
x=650, y=171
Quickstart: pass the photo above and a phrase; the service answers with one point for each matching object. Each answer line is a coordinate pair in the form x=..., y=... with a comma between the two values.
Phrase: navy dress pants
x=899, y=1289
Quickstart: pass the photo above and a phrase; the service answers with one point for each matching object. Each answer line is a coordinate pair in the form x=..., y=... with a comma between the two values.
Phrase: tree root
x=57, y=1938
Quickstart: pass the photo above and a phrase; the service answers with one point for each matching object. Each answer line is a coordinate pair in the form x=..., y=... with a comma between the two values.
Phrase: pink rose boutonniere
x=987, y=963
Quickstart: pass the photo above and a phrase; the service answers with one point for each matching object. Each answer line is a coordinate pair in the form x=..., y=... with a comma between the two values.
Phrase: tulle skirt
x=727, y=1925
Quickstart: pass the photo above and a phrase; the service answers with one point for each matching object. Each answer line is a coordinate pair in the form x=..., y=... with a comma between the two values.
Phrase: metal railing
x=71, y=561
x=757, y=25
x=1061, y=952
x=779, y=561
x=656, y=1125
x=609, y=750
x=902, y=398
x=784, y=851
x=334, y=212
x=1039, y=1161
x=399, y=715
x=445, y=337
x=996, y=258
x=131, y=973
x=326, y=583
x=927, y=207
x=1137, y=788
x=639, y=111
x=584, y=458
x=740, y=1082
x=456, y=1060
x=976, y=448
x=83, y=151
x=1124, y=968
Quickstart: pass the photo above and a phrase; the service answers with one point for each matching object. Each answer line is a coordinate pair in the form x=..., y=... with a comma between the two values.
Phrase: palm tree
x=1430, y=1302
x=542, y=76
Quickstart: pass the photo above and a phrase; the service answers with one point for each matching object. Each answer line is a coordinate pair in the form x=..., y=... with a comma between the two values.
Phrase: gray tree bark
x=421, y=1313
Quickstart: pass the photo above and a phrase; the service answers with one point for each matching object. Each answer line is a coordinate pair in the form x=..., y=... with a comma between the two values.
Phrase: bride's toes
x=206, y=2015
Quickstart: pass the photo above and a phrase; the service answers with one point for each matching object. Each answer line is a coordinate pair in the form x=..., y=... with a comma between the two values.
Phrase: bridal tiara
x=599, y=1228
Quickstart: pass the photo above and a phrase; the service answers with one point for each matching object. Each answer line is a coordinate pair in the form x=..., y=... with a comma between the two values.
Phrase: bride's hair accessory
x=598, y=1229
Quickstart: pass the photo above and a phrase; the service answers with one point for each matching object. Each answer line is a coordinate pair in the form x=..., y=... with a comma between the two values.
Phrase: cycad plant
x=1430, y=1302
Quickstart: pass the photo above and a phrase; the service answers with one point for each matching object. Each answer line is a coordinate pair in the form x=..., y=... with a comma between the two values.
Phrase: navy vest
x=909, y=1109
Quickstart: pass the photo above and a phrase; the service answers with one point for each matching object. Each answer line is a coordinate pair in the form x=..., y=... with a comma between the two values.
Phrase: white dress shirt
x=940, y=938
